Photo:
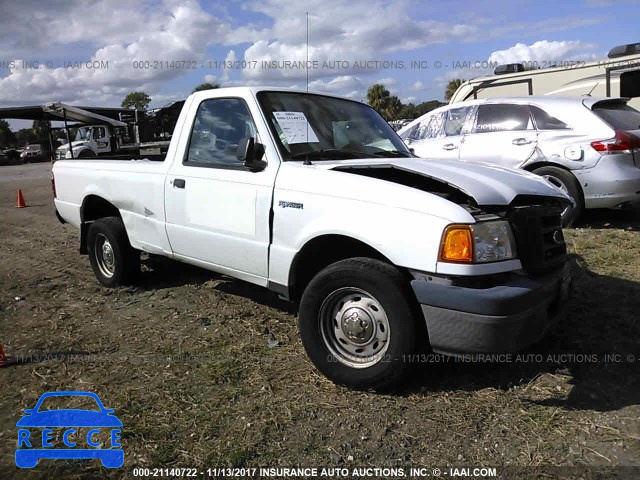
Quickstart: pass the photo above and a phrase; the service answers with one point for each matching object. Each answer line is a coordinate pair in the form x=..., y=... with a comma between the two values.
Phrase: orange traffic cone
x=5, y=360
x=21, y=203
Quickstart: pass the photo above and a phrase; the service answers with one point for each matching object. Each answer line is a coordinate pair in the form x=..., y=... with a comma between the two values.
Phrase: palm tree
x=378, y=96
x=452, y=86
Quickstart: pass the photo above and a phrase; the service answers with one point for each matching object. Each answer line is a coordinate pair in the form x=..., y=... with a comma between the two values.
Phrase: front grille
x=539, y=239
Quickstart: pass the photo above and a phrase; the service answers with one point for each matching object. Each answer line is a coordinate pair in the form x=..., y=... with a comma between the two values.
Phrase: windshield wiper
x=328, y=154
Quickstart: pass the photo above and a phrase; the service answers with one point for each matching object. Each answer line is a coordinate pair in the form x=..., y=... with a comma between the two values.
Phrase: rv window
x=502, y=117
x=544, y=121
x=619, y=115
x=630, y=84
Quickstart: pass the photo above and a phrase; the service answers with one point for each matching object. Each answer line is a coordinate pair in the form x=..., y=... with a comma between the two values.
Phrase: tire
x=377, y=296
x=113, y=260
x=567, y=182
x=87, y=154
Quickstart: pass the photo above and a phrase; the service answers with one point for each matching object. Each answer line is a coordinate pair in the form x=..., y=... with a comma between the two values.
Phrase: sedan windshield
x=318, y=127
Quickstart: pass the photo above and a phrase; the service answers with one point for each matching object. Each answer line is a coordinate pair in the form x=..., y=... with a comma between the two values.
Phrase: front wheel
x=113, y=260
x=569, y=184
x=357, y=324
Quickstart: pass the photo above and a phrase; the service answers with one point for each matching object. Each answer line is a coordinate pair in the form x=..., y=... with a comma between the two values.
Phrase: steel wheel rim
x=354, y=326
x=561, y=185
x=105, y=257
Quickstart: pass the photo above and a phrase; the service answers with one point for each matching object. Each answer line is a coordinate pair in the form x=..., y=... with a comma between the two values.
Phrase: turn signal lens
x=457, y=244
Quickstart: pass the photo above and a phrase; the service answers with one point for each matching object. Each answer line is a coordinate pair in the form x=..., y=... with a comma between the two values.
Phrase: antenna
x=307, y=52
x=306, y=160
x=591, y=91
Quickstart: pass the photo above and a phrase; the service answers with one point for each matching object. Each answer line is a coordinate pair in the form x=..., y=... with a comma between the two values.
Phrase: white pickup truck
x=316, y=198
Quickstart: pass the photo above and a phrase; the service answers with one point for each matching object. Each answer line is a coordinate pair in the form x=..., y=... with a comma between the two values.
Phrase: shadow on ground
x=625, y=219
x=595, y=346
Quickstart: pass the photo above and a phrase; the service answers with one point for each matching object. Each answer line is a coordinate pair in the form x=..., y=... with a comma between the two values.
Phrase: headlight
x=479, y=243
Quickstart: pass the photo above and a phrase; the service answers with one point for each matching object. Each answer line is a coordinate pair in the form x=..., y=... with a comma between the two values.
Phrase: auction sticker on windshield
x=295, y=127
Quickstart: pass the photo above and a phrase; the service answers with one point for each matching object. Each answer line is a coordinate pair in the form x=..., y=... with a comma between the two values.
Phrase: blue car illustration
x=28, y=456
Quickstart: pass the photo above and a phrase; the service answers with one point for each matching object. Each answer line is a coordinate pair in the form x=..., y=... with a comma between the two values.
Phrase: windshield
x=83, y=133
x=322, y=127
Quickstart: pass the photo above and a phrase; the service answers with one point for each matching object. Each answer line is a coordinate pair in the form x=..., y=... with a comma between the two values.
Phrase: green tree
x=206, y=86
x=25, y=136
x=378, y=96
x=139, y=100
x=41, y=129
x=7, y=137
x=452, y=86
x=388, y=105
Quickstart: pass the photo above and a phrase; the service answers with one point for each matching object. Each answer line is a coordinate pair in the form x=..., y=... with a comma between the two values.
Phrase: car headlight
x=479, y=243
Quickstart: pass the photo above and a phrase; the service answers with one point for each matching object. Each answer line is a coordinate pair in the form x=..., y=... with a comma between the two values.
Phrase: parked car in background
x=35, y=152
x=588, y=147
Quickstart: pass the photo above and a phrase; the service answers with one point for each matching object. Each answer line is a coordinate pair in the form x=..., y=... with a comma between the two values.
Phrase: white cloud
x=544, y=52
x=177, y=31
x=339, y=33
x=388, y=81
x=341, y=83
x=418, y=85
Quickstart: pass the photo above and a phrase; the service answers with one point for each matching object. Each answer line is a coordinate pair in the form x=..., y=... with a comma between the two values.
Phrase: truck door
x=217, y=211
x=100, y=141
x=502, y=133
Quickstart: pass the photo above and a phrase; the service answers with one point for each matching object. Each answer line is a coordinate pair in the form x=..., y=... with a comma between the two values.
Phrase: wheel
x=567, y=182
x=87, y=154
x=113, y=260
x=357, y=324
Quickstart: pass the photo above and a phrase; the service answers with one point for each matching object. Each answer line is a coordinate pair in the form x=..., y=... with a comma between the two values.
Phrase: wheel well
x=537, y=165
x=93, y=208
x=531, y=167
x=321, y=252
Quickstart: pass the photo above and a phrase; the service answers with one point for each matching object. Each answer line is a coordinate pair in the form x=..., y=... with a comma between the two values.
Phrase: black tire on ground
x=113, y=260
x=569, y=183
x=87, y=154
x=373, y=298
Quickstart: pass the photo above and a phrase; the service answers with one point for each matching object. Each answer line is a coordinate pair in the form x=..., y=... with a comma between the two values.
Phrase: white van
x=618, y=76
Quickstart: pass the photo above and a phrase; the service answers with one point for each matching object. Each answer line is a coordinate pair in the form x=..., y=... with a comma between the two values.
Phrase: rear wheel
x=113, y=260
x=357, y=324
x=87, y=154
x=568, y=183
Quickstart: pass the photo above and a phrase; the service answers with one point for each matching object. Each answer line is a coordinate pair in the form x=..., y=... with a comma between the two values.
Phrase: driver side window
x=219, y=126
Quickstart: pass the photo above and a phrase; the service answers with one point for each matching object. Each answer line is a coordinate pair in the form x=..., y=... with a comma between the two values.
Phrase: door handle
x=521, y=141
x=449, y=146
x=178, y=183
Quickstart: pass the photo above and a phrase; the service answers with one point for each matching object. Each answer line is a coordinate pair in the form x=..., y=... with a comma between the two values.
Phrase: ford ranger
x=316, y=198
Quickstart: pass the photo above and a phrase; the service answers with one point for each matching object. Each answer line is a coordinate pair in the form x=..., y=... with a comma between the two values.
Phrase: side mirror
x=250, y=153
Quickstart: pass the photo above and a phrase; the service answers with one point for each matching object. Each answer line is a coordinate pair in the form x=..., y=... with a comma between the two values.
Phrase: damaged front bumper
x=502, y=318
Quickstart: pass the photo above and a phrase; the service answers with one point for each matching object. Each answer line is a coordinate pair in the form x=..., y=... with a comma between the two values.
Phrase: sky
x=95, y=52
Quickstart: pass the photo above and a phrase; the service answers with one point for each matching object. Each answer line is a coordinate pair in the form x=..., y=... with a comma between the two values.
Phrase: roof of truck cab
x=256, y=89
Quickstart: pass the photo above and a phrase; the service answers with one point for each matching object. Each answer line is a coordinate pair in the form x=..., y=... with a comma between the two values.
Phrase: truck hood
x=487, y=184
x=77, y=143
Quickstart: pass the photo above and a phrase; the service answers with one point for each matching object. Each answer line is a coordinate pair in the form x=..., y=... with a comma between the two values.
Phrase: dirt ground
x=205, y=371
